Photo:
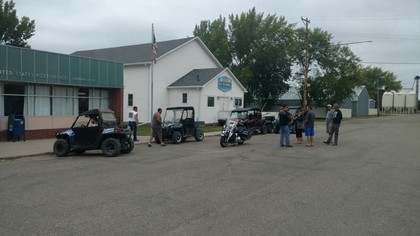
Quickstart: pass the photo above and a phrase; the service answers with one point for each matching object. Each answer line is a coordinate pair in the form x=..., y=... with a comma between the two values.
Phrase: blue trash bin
x=16, y=127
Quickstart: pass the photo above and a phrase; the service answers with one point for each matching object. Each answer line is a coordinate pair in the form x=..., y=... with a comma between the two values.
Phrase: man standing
x=309, y=126
x=337, y=116
x=133, y=121
x=156, y=128
x=328, y=119
x=285, y=119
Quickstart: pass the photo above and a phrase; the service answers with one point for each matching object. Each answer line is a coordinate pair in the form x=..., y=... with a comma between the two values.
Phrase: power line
x=390, y=63
x=383, y=36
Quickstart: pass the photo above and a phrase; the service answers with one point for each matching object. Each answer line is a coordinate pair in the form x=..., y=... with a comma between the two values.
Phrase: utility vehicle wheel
x=199, y=135
x=111, y=147
x=61, y=148
x=177, y=137
x=224, y=141
x=276, y=129
x=127, y=145
x=264, y=129
x=270, y=128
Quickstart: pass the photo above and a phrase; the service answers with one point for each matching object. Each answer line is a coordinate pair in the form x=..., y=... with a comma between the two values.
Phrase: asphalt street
x=367, y=185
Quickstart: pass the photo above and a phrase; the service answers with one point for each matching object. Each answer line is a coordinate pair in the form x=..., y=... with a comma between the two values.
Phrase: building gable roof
x=197, y=77
x=201, y=77
x=139, y=53
x=357, y=91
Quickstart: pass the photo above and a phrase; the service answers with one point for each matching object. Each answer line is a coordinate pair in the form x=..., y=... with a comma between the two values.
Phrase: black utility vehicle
x=252, y=119
x=179, y=124
x=94, y=129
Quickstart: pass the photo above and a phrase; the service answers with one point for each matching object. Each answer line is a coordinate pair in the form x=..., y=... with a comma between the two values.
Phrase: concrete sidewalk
x=36, y=147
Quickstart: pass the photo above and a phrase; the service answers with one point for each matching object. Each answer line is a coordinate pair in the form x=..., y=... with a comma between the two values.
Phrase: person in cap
x=328, y=118
x=337, y=116
x=285, y=119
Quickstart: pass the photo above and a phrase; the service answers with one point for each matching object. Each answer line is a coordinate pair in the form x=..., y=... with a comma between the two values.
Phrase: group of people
x=304, y=121
x=133, y=122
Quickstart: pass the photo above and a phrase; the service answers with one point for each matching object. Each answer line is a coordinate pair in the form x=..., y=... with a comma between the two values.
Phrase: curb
x=23, y=156
x=11, y=158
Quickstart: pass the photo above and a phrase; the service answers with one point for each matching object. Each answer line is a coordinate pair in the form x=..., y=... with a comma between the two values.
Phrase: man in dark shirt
x=285, y=119
x=337, y=116
x=309, y=126
x=157, y=128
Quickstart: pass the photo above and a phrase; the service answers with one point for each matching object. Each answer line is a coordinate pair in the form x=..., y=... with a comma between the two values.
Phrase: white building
x=186, y=74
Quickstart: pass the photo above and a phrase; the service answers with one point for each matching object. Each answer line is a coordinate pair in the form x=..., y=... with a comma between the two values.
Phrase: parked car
x=253, y=119
x=179, y=124
x=94, y=129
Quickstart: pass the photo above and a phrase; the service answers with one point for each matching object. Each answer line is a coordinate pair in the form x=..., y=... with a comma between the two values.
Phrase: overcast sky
x=66, y=26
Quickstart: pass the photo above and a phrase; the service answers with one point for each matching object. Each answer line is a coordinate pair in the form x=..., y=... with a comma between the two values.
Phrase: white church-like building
x=186, y=74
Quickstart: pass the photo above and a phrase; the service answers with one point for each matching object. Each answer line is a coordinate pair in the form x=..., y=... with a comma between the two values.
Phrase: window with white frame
x=238, y=102
x=184, y=98
x=210, y=101
x=130, y=99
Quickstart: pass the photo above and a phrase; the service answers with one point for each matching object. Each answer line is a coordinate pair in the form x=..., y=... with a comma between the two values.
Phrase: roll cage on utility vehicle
x=94, y=129
x=252, y=118
x=179, y=124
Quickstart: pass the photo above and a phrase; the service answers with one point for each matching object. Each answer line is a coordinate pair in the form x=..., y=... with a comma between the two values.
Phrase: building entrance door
x=224, y=110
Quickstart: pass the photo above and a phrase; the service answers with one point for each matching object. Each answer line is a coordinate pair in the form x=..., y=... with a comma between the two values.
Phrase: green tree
x=13, y=31
x=375, y=78
x=333, y=70
x=257, y=52
x=215, y=36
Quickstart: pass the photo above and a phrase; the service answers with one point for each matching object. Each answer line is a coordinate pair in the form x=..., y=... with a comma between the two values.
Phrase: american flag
x=154, y=46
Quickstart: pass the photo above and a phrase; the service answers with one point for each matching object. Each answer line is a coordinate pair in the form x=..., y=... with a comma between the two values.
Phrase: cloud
x=68, y=26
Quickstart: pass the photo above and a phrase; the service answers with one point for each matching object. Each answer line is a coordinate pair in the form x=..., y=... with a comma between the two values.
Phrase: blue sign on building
x=224, y=84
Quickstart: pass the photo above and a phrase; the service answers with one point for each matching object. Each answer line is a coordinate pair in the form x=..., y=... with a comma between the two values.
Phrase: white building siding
x=198, y=97
x=168, y=69
x=173, y=66
x=211, y=115
x=136, y=82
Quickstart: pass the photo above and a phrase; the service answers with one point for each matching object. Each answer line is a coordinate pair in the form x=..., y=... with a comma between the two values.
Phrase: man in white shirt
x=133, y=120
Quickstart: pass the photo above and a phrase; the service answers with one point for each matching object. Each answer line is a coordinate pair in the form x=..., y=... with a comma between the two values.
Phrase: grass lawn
x=145, y=130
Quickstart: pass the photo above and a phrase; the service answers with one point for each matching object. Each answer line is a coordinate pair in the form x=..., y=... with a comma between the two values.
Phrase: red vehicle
x=252, y=118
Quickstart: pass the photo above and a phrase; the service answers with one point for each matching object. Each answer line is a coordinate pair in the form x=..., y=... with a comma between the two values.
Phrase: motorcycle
x=234, y=132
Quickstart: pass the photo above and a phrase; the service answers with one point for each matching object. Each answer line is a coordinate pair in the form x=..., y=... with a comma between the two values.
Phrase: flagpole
x=151, y=76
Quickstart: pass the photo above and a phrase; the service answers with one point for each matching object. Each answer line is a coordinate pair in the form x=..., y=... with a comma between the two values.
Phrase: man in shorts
x=309, y=126
x=157, y=128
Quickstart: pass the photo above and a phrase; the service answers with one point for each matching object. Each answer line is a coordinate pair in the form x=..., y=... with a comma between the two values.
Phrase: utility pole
x=417, y=78
x=305, y=83
x=377, y=96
